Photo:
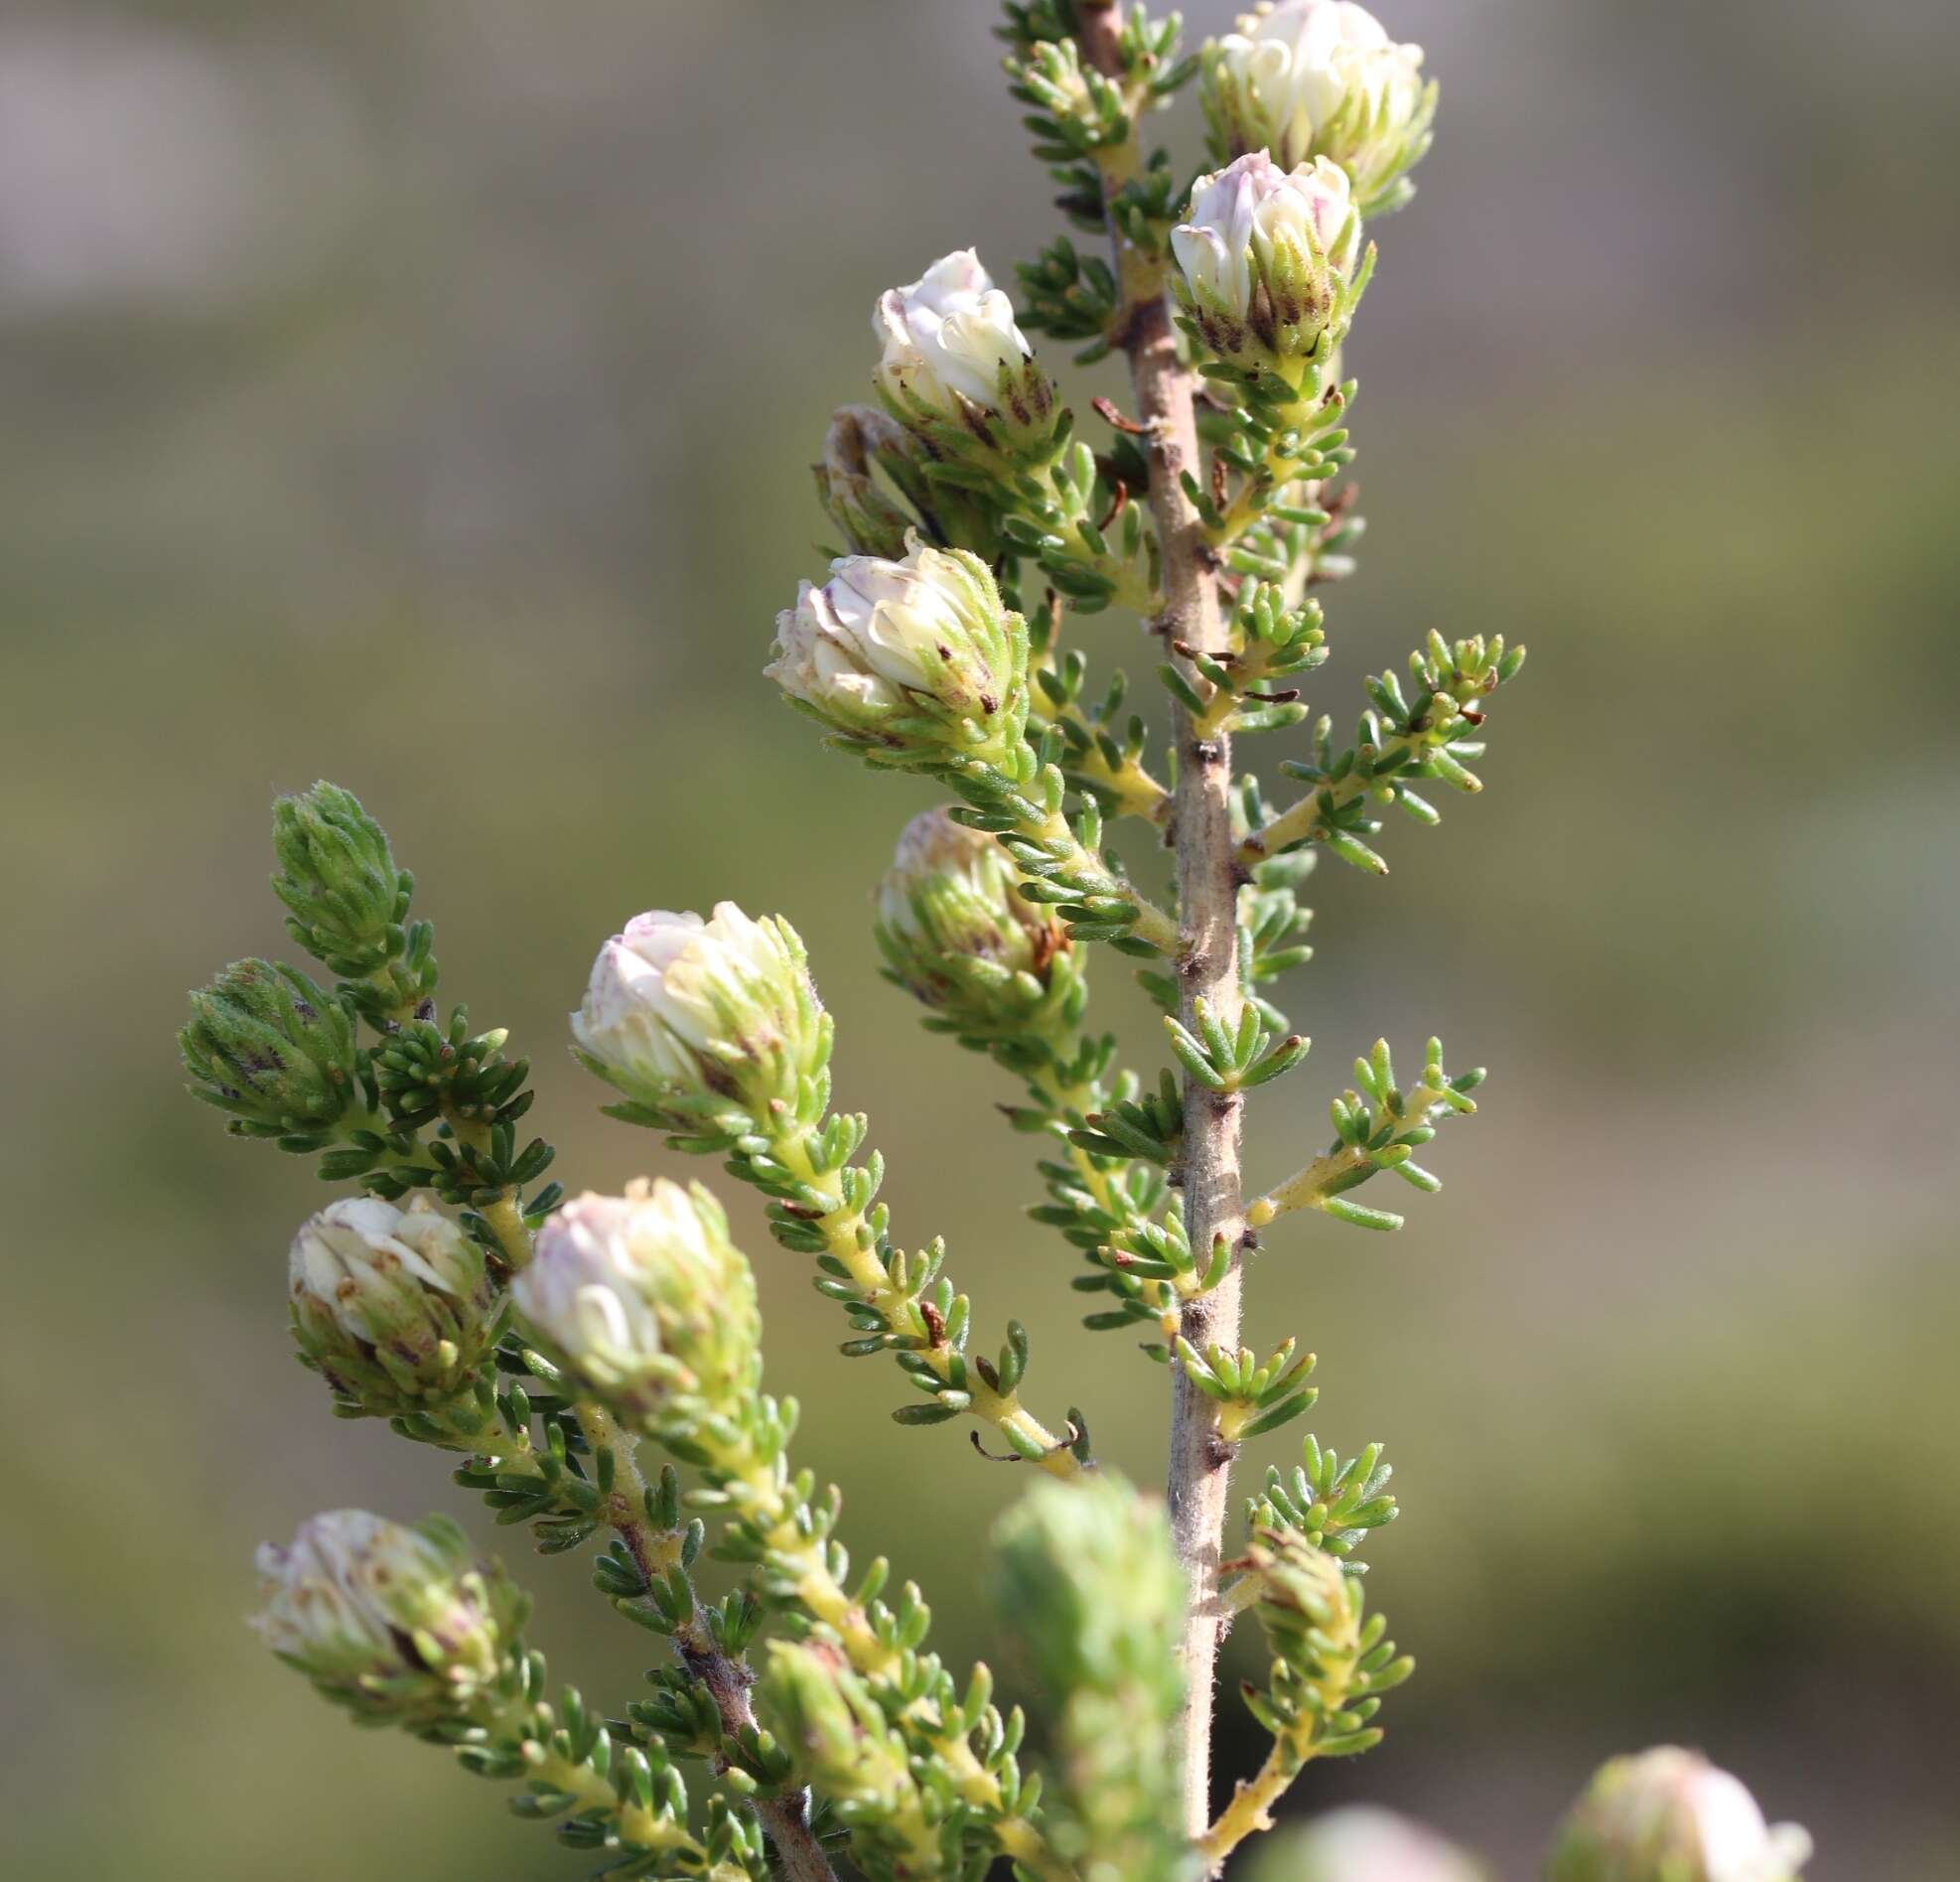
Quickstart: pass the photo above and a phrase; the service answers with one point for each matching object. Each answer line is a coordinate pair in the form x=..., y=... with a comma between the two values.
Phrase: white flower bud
x=400, y=1626
x=956, y=366
x=959, y=935
x=694, y=1019
x=1269, y=259
x=1669, y=1815
x=1362, y=1845
x=648, y=1303
x=1323, y=79
x=907, y=659
x=392, y=1307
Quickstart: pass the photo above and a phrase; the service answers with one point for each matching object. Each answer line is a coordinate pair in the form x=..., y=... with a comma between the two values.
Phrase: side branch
x=786, y=1819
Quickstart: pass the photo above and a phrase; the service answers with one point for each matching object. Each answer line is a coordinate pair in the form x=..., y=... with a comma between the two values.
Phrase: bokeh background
x=420, y=393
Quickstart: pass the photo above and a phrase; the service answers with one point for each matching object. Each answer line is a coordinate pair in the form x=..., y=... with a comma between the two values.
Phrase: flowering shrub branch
x=460, y=1297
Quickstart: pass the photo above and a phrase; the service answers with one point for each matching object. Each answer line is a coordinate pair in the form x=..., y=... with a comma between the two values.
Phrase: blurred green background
x=420, y=394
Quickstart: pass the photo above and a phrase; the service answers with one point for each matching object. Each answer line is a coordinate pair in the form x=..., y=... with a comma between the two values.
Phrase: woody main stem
x=1200, y=1460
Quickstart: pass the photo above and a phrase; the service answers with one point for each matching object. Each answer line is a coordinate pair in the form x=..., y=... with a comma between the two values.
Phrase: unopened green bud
x=347, y=903
x=1298, y=1577
x=649, y=1304
x=272, y=1049
x=1087, y=1574
x=960, y=938
x=840, y=1741
x=914, y=661
x=872, y=521
x=1669, y=1815
x=1362, y=1844
x=401, y=1626
x=693, y=1019
x=337, y=876
x=393, y=1307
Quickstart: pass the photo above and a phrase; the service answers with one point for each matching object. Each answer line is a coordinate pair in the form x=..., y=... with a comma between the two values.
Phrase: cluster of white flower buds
x=1323, y=79
x=647, y=1304
x=961, y=938
x=395, y=1308
x=914, y=661
x=401, y=1626
x=695, y=1020
x=1317, y=117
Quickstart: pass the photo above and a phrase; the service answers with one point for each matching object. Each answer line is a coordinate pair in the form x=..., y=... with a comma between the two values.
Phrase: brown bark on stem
x=1200, y=1470
x=786, y=1819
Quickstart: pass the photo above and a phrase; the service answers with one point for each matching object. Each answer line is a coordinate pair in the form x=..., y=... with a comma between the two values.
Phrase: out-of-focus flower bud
x=1360, y=1844
x=1088, y=1574
x=649, y=1304
x=913, y=661
x=956, y=368
x=337, y=878
x=401, y=1626
x=1669, y=1815
x=960, y=936
x=1270, y=259
x=694, y=1019
x=393, y=1307
x=1088, y=1578
x=272, y=1049
x=1323, y=79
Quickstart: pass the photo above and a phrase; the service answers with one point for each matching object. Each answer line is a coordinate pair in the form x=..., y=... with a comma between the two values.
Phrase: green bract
x=401, y=1626
x=272, y=1049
